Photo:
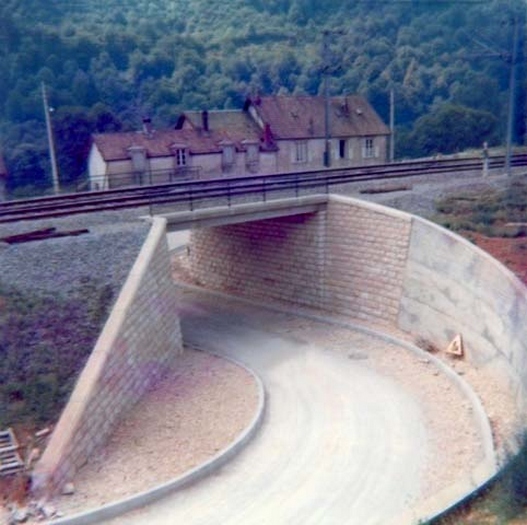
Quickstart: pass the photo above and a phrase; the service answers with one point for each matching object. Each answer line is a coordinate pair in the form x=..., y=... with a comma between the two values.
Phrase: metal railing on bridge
x=191, y=194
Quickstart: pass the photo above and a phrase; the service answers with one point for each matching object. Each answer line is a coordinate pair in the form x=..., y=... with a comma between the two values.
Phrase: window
x=228, y=156
x=181, y=157
x=300, y=151
x=180, y=152
x=252, y=153
x=369, y=149
x=342, y=149
x=252, y=156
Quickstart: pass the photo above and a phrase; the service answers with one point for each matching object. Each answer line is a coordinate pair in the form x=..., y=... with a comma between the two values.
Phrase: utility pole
x=325, y=59
x=512, y=93
x=392, y=125
x=327, y=70
x=510, y=57
x=51, y=142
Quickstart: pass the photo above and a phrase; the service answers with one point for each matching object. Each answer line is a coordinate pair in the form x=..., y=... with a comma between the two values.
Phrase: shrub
x=511, y=499
x=44, y=343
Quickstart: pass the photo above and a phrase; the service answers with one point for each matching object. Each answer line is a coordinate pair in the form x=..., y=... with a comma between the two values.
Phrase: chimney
x=205, y=120
x=346, y=108
x=268, y=136
x=148, y=130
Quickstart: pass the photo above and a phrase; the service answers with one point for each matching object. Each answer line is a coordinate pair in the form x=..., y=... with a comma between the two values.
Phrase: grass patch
x=44, y=343
x=484, y=212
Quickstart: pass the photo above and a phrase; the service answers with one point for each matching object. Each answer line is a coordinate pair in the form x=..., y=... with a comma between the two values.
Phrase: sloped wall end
x=140, y=339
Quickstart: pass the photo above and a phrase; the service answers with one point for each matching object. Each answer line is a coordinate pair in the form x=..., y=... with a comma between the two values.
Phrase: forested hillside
x=106, y=63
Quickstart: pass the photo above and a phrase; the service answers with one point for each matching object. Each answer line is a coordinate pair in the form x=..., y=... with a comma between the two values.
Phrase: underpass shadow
x=229, y=327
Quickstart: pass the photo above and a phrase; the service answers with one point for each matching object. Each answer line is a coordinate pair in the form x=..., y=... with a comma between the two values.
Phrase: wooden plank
x=10, y=461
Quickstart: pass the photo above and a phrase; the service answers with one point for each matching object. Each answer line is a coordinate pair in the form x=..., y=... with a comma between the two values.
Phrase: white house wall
x=96, y=169
x=119, y=173
x=206, y=166
x=354, y=155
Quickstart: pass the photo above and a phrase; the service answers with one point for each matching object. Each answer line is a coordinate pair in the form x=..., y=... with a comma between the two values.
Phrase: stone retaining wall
x=141, y=338
x=366, y=250
x=380, y=265
x=279, y=259
x=349, y=259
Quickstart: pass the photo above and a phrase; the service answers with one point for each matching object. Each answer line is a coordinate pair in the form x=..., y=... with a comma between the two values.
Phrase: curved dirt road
x=340, y=444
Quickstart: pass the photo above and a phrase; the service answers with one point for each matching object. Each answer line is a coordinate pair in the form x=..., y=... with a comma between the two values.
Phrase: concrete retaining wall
x=380, y=265
x=140, y=340
x=451, y=287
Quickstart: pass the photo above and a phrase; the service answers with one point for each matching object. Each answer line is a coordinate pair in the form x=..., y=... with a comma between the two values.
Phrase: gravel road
x=349, y=436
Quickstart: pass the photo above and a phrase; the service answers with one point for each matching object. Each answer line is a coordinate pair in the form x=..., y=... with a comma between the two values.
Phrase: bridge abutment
x=378, y=265
x=348, y=258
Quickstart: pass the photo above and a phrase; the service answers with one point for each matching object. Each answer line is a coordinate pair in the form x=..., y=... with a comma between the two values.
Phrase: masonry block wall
x=376, y=264
x=380, y=265
x=140, y=340
x=366, y=249
x=276, y=259
x=349, y=259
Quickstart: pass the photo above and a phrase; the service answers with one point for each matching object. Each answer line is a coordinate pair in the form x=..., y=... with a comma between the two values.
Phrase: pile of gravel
x=61, y=266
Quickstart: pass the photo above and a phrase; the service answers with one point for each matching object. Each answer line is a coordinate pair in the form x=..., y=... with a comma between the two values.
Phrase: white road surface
x=339, y=445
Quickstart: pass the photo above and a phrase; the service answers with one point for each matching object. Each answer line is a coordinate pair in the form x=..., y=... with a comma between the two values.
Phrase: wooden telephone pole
x=51, y=142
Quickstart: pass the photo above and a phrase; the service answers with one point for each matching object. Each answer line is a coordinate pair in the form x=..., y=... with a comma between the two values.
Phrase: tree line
x=107, y=64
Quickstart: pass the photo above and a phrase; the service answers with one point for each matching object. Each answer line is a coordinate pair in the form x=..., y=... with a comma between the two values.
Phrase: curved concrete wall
x=380, y=265
x=450, y=287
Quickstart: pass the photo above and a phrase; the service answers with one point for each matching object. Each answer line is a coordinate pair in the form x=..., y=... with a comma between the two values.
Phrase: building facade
x=269, y=135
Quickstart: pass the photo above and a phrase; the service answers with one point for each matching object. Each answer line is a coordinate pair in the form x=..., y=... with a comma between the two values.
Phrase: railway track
x=261, y=187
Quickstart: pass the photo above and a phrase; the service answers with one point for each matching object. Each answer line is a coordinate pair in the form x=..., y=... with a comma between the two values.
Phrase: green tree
x=29, y=168
x=449, y=128
x=72, y=129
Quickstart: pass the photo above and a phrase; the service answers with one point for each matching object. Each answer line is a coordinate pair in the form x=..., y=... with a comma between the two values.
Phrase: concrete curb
x=114, y=509
x=462, y=489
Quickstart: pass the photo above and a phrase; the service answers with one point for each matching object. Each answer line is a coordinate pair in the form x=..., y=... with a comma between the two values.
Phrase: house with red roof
x=312, y=132
x=269, y=135
x=208, y=144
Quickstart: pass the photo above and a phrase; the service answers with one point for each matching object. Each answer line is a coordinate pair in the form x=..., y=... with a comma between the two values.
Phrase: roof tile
x=224, y=126
x=303, y=117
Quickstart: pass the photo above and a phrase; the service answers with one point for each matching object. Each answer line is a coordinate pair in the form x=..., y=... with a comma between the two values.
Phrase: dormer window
x=228, y=155
x=138, y=156
x=252, y=154
x=181, y=157
x=180, y=152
